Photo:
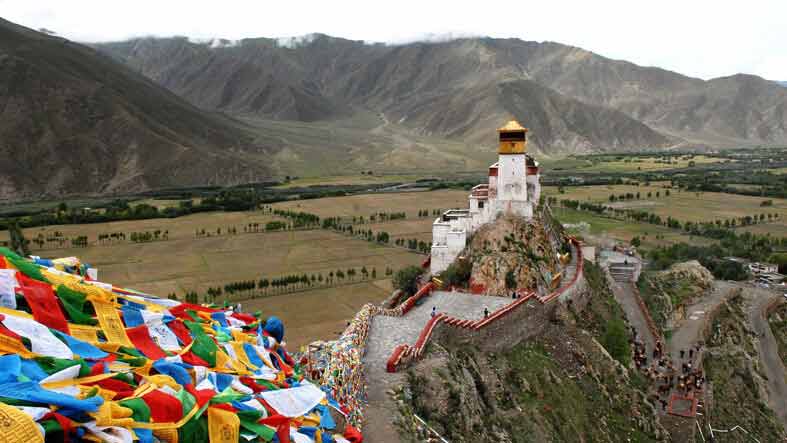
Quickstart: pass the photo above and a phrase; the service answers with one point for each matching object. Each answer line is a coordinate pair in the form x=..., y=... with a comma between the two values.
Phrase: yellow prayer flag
x=223, y=426
x=18, y=427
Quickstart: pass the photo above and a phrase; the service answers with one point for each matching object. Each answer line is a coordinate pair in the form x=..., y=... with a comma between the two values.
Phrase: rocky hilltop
x=668, y=292
x=560, y=384
x=514, y=253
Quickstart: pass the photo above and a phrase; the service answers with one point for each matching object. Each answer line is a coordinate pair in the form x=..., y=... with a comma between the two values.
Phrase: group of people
x=665, y=375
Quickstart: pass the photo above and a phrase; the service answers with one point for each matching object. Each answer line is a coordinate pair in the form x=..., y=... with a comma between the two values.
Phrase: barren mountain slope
x=446, y=88
x=74, y=121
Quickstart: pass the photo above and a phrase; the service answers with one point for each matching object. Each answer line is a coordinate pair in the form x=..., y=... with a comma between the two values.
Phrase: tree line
x=268, y=286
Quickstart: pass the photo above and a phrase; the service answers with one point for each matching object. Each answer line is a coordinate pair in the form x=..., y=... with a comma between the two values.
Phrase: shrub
x=406, y=279
x=457, y=274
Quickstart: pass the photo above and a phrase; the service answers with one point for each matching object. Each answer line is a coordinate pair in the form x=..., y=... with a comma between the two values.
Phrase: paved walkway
x=626, y=295
x=387, y=332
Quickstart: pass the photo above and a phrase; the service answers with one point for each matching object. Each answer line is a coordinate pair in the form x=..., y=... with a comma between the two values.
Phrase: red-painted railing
x=404, y=354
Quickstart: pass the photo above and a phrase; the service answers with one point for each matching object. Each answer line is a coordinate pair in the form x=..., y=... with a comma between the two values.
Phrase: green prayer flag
x=141, y=411
x=74, y=304
x=205, y=348
x=50, y=365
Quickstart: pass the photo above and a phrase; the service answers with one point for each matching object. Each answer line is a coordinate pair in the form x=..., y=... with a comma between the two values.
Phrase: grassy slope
x=778, y=322
x=536, y=391
x=735, y=384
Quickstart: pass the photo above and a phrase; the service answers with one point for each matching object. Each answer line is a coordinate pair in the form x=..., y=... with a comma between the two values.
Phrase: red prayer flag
x=164, y=408
x=141, y=339
x=282, y=425
x=352, y=434
x=179, y=329
x=43, y=303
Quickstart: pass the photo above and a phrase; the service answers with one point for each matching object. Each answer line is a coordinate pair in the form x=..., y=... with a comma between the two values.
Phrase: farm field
x=351, y=180
x=185, y=263
x=630, y=164
x=682, y=205
x=603, y=228
x=319, y=314
x=367, y=204
x=179, y=228
x=777, y=229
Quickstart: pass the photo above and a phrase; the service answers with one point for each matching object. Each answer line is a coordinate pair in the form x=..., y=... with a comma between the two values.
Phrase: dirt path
x=688, y=332
x=771, y=362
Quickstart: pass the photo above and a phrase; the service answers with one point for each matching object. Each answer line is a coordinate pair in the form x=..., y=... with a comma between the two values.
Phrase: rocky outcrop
x=732, y=363
x=668, y=292
x=517, y=254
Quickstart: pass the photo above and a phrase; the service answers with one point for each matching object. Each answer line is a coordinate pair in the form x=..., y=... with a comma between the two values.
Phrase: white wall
x=511, y=178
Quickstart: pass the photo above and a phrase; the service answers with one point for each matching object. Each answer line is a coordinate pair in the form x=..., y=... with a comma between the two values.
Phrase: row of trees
x=148, y=236
x=299, y=219
x=428, y=212
x=632, y=196
x=122, y=209
x=54, y=239
x=414, y=244
x=387, y=216
x=266, y=286
x=79, y=241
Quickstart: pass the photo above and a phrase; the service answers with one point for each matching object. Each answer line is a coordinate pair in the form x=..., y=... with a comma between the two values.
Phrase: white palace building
x=513, y=188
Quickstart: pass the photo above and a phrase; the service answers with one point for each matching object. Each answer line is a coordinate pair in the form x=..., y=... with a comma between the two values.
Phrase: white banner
x=160, y=332
x=294, y=402
x=43, y=342
x=8, y=285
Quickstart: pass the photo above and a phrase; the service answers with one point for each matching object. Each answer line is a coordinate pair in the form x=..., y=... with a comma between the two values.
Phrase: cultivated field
x=185, y=263
x=367, y=204
x=603, y=228
x=321, y=314
x=612, y=164
x=682, y=205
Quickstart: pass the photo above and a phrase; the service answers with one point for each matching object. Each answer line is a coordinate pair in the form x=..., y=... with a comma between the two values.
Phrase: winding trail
x=689, y=331
x=771, y=362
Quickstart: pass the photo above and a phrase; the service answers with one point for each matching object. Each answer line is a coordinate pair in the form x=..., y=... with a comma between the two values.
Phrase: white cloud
x=703, y=38
x=294, y=42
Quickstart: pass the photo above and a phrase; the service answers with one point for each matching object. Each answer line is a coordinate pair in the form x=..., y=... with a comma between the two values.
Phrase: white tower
x=512, y=170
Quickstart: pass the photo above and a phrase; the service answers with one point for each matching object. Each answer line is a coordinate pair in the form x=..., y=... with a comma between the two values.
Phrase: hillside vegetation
x=561, y=385
x=668, y=292
x=732, y=366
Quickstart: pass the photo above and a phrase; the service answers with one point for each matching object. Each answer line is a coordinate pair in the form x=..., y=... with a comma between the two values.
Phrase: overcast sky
x=695, y=37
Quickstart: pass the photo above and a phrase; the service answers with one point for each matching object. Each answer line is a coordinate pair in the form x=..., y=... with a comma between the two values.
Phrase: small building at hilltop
x=513, y=188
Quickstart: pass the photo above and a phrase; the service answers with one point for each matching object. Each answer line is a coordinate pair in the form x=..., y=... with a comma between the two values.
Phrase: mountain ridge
x=74, y=121
x=424, y=79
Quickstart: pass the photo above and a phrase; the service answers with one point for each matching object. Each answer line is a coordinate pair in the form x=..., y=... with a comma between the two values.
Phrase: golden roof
x=512, y=125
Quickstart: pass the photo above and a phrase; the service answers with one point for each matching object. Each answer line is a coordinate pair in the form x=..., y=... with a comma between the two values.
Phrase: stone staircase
x=388, y=332
x=622, y=273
